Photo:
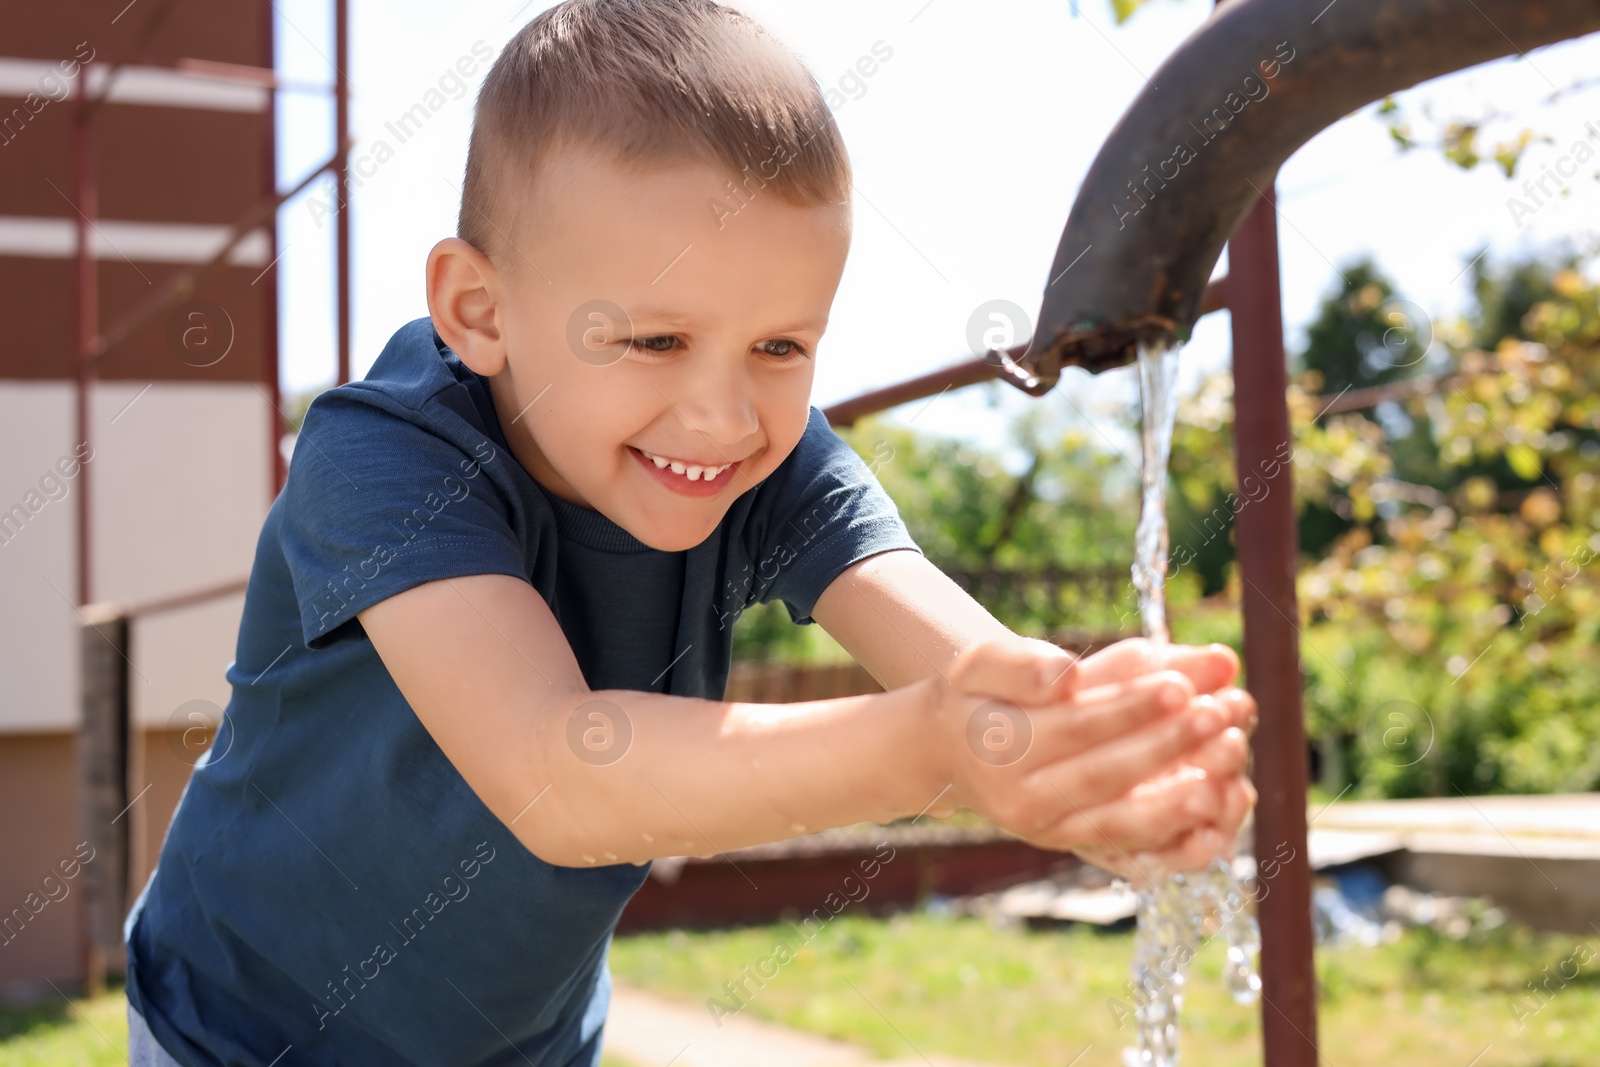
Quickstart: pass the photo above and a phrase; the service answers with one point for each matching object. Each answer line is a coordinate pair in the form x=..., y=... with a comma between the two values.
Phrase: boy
x=478, y=679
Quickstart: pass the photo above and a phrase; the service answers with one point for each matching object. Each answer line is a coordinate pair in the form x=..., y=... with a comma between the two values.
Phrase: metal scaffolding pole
x=1267, y=545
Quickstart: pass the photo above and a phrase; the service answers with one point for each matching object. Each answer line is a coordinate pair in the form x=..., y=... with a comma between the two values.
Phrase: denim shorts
x=142, y=1048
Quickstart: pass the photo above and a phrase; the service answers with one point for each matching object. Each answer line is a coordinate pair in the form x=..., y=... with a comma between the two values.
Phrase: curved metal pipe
x=1206, y=137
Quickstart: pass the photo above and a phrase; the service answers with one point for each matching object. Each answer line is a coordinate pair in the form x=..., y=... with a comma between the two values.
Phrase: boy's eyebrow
x=800, y=327
x=668, y=317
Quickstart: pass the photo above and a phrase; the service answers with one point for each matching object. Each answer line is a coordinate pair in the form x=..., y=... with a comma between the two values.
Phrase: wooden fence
x=788, y=683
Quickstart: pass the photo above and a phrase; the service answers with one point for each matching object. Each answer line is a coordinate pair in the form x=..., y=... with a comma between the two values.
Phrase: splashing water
x=1174, y=913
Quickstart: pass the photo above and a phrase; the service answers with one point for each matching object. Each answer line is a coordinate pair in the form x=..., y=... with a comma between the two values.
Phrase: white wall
x=38, y=623
x=182, y=656
x=180, y=475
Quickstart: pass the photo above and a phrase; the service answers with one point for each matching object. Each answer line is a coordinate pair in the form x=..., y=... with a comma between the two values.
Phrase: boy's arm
x=488, y=671
x=904, y=619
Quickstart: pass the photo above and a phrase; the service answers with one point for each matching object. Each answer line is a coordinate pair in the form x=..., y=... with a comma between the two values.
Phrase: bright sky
x=968, y=145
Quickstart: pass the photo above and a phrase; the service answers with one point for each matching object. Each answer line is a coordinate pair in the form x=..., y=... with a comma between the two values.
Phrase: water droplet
x=798, y=827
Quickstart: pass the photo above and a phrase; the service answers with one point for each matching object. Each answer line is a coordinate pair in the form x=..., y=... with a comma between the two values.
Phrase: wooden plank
x=103, y=787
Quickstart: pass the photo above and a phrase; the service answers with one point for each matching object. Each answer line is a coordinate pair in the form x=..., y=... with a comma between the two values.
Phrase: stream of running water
x=1176, y=912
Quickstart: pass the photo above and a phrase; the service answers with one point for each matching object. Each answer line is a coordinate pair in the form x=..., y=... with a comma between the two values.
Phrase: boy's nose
x=719, y=404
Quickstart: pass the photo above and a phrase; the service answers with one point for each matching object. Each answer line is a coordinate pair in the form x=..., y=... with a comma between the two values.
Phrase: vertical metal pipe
x=341, y=174
x=93, y=960
x=88, y=309
x=269, y=324
x=1267, y=542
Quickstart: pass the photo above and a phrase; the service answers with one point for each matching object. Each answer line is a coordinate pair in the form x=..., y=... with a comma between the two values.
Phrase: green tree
x=1449, y=643
x=1364, y=335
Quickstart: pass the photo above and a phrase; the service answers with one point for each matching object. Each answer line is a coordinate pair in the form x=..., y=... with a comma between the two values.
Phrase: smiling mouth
x=694, y=472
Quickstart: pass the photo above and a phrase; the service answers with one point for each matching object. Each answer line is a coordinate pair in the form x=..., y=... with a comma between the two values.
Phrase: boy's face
x=651, y=315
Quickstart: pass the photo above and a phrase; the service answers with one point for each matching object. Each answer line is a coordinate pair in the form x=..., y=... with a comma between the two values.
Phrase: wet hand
x=1098, y=721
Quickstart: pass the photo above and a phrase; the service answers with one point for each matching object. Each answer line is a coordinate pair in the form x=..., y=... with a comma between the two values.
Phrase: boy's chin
x=675, y=529
x=677, y=536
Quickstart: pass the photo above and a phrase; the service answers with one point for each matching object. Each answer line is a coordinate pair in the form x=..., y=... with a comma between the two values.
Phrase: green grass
x=958, y=987
x=85, y=1032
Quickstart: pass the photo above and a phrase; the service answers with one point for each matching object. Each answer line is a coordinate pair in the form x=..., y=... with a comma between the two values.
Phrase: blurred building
x=143, y=474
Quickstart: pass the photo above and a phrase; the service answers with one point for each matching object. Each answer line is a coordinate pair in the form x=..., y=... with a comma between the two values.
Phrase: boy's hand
x=1107, y=756
x=1192, y=851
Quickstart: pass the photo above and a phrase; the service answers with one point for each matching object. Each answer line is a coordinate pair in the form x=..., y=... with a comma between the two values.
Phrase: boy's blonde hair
x=649, y=82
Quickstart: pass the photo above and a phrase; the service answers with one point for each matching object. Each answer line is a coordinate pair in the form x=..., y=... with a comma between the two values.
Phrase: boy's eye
x=789, y=348
x=663, y=343
x=654, y=344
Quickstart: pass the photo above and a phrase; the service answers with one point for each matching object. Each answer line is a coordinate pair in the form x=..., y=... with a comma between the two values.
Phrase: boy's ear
x=463, y=299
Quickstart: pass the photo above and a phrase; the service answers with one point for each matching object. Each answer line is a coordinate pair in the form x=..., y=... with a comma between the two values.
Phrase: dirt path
x=654, y=1031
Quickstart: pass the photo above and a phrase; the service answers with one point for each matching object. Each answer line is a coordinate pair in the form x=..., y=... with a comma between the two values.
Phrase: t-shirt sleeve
x=827, y=511
x=377, y=500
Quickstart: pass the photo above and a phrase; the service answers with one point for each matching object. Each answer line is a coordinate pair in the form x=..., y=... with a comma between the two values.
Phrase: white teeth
x=693, y=473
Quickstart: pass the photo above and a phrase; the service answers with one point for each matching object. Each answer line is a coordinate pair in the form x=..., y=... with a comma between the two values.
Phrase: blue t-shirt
x=329, y=883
